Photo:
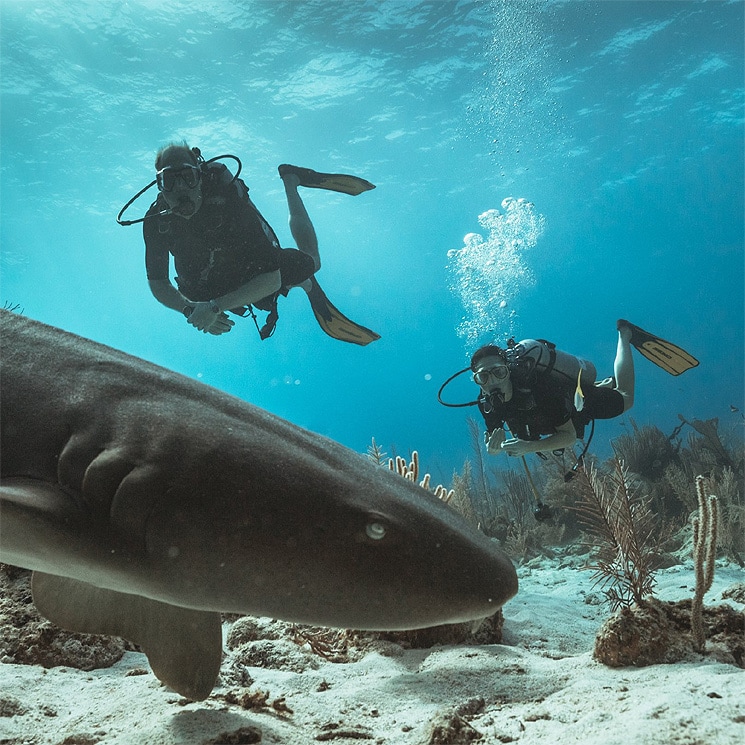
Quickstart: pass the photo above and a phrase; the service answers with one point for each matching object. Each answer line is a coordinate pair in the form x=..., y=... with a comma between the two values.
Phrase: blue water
x=620, y=125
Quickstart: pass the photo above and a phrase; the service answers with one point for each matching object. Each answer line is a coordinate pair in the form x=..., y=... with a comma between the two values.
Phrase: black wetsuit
x=531, y=412
x=223, y=246
x=543, y=407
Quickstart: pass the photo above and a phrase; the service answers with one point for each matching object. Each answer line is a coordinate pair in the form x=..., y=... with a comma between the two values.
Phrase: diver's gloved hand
x=517, y=447
x=494, y=440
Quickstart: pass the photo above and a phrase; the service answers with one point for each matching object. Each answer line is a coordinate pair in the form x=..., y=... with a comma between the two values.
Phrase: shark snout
x=447, y=582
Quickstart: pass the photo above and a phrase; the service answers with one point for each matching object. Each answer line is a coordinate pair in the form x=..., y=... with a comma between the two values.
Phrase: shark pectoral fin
x=36, y=513
x=183, y=646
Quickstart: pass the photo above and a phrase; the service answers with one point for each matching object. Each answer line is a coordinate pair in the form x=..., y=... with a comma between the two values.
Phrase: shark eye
x=375, y=531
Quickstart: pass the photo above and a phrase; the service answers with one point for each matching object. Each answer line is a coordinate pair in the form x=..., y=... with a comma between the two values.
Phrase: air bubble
x=473, y=239
x=489, y=273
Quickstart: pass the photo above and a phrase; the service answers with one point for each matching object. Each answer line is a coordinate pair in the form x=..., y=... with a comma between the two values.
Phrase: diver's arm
x=166, y=294
x=564, y=437
x=255, y=289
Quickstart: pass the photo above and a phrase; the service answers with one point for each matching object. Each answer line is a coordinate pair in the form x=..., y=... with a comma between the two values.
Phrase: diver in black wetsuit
x=547, y=409
x=226, y=256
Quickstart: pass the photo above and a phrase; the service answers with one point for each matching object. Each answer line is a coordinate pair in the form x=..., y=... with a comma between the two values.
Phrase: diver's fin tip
x=670, y=357
x=334, y=323
x=340, y=182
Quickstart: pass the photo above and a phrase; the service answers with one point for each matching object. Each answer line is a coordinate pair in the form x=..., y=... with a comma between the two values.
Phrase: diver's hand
x=494, y=440
x=516, y=447
x=204, y=315
x=222, y=325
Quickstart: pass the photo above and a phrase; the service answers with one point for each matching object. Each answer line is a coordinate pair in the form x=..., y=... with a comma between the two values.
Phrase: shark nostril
x=375, y=530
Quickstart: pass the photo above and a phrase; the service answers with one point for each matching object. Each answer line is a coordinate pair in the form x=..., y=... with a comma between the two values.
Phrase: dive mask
x=498, y=373
x=188, y=173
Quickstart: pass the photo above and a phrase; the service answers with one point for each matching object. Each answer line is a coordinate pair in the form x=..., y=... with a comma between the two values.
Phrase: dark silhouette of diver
x=227, y=257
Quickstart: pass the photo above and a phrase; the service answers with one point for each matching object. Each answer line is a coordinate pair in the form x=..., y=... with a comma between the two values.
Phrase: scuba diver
x=545, y=397
x=227, y=257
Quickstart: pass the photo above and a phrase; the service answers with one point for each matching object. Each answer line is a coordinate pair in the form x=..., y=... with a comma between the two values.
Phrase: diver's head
x=179, y=178
x=491, y=372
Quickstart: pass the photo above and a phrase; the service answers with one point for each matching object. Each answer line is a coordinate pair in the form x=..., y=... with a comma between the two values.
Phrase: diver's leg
x=623, y=367
x=300, y=225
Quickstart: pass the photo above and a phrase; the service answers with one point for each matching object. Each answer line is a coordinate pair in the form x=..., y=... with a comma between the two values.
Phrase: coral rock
x=658, y=632
x=27, y=638
x=735, y=592
x=640, y=635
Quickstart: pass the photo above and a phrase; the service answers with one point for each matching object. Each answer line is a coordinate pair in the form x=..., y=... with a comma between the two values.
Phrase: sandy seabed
x=540, y=686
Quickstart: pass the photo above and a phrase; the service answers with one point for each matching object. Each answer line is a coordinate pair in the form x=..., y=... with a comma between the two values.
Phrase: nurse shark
x=147, y=503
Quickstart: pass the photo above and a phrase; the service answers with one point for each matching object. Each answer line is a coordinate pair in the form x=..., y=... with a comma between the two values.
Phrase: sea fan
x=616, y=513
x=376, y=454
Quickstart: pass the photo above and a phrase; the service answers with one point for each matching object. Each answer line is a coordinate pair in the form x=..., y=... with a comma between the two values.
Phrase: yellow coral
x=410, y=471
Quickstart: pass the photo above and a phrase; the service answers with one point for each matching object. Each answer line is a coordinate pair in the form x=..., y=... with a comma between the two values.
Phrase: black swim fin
x=340, y=182
x=333, y=322
x=664, y=354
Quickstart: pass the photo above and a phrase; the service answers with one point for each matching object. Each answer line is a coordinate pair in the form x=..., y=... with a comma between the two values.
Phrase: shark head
x=329, y=539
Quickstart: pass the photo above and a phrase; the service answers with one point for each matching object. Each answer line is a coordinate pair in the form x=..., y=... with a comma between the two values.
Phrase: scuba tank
x=531, y=357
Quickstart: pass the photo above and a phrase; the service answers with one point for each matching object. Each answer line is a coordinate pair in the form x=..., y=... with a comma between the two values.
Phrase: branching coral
x=708, y=429
x=646, y=451
x=707, y=453
x=458, y=498
x=679, y=481
x=479, y=480
x=658, y=632
x=617, y=515
x=376, y=453
x=518, y=498
x=704, y=555
x=731, y=524
x=462, y=501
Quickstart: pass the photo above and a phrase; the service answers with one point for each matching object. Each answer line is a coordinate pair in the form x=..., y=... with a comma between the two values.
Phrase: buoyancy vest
x=227, y=242
x=544, y=379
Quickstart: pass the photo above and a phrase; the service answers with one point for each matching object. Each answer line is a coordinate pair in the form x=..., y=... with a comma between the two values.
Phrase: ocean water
x=542, y=169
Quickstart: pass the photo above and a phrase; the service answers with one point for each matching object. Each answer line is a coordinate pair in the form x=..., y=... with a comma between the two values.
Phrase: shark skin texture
x=147, y=503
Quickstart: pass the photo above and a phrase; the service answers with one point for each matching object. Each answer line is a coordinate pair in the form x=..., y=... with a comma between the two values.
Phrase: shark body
x=147, y=503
